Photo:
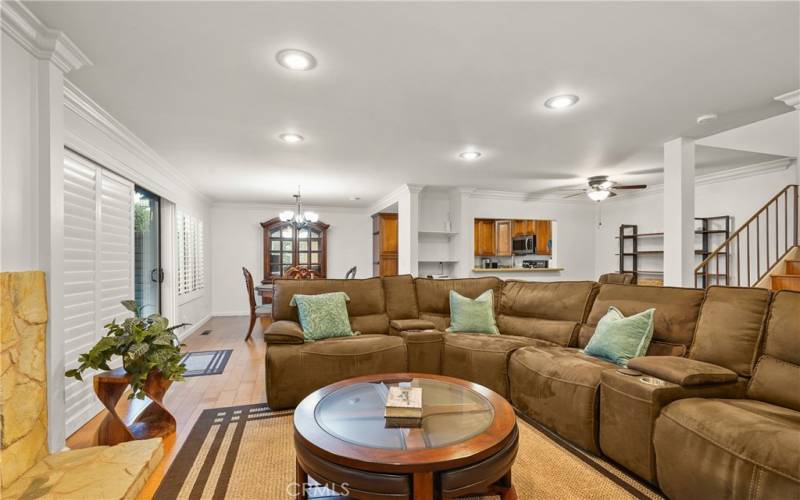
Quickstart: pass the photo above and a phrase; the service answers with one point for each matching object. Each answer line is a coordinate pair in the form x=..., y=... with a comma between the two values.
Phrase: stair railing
x=753, y=249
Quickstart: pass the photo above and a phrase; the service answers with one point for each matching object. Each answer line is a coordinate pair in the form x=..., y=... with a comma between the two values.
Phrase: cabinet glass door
x=148, y=274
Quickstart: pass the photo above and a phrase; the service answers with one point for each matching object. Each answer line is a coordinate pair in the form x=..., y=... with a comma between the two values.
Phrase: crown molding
x=762, y=168
x=42, y=42
x=790, y=98
x=83, y=105
x=490, y=194
x=267, y=206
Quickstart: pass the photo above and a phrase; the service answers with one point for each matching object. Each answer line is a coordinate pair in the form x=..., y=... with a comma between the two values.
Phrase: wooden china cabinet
x=286, y=246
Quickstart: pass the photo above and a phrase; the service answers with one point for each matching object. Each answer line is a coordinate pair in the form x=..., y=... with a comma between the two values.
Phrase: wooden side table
x=141, y=419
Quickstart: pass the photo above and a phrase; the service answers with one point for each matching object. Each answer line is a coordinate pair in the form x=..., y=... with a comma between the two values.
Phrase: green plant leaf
x=131, y=306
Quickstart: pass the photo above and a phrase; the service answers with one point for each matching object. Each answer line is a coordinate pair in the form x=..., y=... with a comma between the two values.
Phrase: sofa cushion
x=549, y=311
x=366, y=300
x=674, y=322
x=559, y=387
x=777, y=373
x=284, y=332
x=729, y=327
x=713, y=448
x=482, y=358
x=401, y=296
x=683, y=371
x=295, y=371
x=472, y=315
x=433, y=296
x=409, y=325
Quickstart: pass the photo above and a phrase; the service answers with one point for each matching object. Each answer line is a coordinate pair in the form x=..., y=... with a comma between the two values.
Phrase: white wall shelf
x=437, y=233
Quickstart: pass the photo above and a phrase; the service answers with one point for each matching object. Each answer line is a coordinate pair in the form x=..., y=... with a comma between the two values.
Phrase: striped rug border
x=215, y=366
x=238, y=416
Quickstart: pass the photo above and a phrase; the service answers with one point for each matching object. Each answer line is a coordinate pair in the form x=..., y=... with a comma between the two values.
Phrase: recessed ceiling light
x=295, y=59
x=710, y=117
x=561, y=101
x=469, y=155
x=291, y=138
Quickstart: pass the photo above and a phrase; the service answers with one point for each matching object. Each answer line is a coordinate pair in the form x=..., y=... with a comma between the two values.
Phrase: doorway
x=148, y=273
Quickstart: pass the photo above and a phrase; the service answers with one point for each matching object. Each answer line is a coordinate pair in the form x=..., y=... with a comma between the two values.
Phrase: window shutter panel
x=98, y=269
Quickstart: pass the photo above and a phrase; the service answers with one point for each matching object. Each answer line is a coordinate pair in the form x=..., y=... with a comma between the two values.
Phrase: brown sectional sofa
x=736, y=408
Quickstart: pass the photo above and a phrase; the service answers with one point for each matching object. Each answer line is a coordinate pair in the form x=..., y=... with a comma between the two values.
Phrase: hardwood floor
x=241, y=383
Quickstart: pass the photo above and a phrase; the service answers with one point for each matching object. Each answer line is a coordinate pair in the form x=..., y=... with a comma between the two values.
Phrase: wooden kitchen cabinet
x=484, y=235
x=503, y=237
x=519, y=228
x=544, y=235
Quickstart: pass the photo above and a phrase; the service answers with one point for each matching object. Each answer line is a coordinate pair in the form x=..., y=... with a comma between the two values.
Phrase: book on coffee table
x=404, y=402
x=402, y=423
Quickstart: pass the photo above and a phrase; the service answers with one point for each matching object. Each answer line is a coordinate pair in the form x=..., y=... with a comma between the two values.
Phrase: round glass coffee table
x=465, y=443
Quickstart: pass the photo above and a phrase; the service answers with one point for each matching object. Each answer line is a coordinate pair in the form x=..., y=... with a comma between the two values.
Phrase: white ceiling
x=401, y=88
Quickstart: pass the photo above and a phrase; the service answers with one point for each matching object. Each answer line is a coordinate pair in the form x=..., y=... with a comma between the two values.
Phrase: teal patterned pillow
x=474, y=316
x=323, y=315
x=620, y=339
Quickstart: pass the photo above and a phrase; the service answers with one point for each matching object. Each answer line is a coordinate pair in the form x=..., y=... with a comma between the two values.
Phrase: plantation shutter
x=191, y=264
x=98, y=269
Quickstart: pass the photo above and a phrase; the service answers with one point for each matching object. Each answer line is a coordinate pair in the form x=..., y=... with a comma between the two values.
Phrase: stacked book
x=403, y=407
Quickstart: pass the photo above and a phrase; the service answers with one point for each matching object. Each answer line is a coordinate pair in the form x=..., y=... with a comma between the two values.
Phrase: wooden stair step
x=793, y=266
x=785, y=282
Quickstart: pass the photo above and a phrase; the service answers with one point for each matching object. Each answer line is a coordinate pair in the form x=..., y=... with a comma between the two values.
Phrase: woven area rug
x=202, y=363
x=246, y=452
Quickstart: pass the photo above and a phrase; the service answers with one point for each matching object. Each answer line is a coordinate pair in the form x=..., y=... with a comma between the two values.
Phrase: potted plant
x=148, y=346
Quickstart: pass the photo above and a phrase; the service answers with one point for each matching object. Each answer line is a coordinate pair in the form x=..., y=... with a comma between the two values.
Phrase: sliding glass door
x=148, y=274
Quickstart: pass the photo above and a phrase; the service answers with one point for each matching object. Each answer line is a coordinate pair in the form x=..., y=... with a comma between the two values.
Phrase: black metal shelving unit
x=707, y=229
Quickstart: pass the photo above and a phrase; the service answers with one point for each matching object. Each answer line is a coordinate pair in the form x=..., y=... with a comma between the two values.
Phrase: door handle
x=157, y=275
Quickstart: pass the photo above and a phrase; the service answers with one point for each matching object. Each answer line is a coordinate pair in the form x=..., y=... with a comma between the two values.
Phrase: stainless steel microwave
x=523, y=245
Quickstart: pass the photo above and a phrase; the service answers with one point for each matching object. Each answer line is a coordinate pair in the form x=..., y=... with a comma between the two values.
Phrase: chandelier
x=298, y=217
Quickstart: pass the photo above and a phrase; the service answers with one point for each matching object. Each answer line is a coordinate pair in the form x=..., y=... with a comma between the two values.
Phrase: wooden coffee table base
x=423, y=486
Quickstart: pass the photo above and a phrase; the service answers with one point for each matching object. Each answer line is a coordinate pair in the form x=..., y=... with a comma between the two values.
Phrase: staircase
x=789, y=279
x=760, y=250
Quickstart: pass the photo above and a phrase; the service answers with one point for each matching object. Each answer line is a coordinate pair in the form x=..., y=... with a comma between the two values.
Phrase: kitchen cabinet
x=544, y=234
x=503, y=237
x=519, y=228
x=384, y=244
x=484, y=235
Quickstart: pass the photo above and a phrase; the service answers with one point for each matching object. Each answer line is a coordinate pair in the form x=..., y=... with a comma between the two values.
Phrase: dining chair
x=351, y=273
x=301, y=273
x=256, y=311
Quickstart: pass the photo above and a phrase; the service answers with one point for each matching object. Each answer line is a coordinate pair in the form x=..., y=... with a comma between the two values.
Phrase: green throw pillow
x=323, y=316
x=620, y=339
x=474, y=316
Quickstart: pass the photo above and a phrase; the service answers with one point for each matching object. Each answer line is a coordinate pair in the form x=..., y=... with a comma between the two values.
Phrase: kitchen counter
x=517, y=269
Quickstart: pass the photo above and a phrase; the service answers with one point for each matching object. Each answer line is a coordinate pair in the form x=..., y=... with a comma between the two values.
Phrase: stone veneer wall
x=23, y=407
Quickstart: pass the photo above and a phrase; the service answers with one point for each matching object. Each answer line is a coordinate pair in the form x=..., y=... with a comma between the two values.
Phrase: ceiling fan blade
x=574, y=195
x=611, y=193
x=632, y=186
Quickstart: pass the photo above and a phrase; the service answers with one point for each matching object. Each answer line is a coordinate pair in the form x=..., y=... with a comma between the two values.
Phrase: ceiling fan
x=600, y=188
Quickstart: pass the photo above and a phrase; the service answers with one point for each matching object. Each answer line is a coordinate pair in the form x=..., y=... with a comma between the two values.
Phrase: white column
x=462, y=243
x=679, y=258
x=54, y=55
x=408, y=229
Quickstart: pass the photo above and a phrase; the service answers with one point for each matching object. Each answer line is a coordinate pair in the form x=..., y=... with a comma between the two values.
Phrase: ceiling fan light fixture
x=598, y=194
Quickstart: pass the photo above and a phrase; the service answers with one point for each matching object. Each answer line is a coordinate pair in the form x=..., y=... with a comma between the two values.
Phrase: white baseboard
x=193, y=328
x=231, y=313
